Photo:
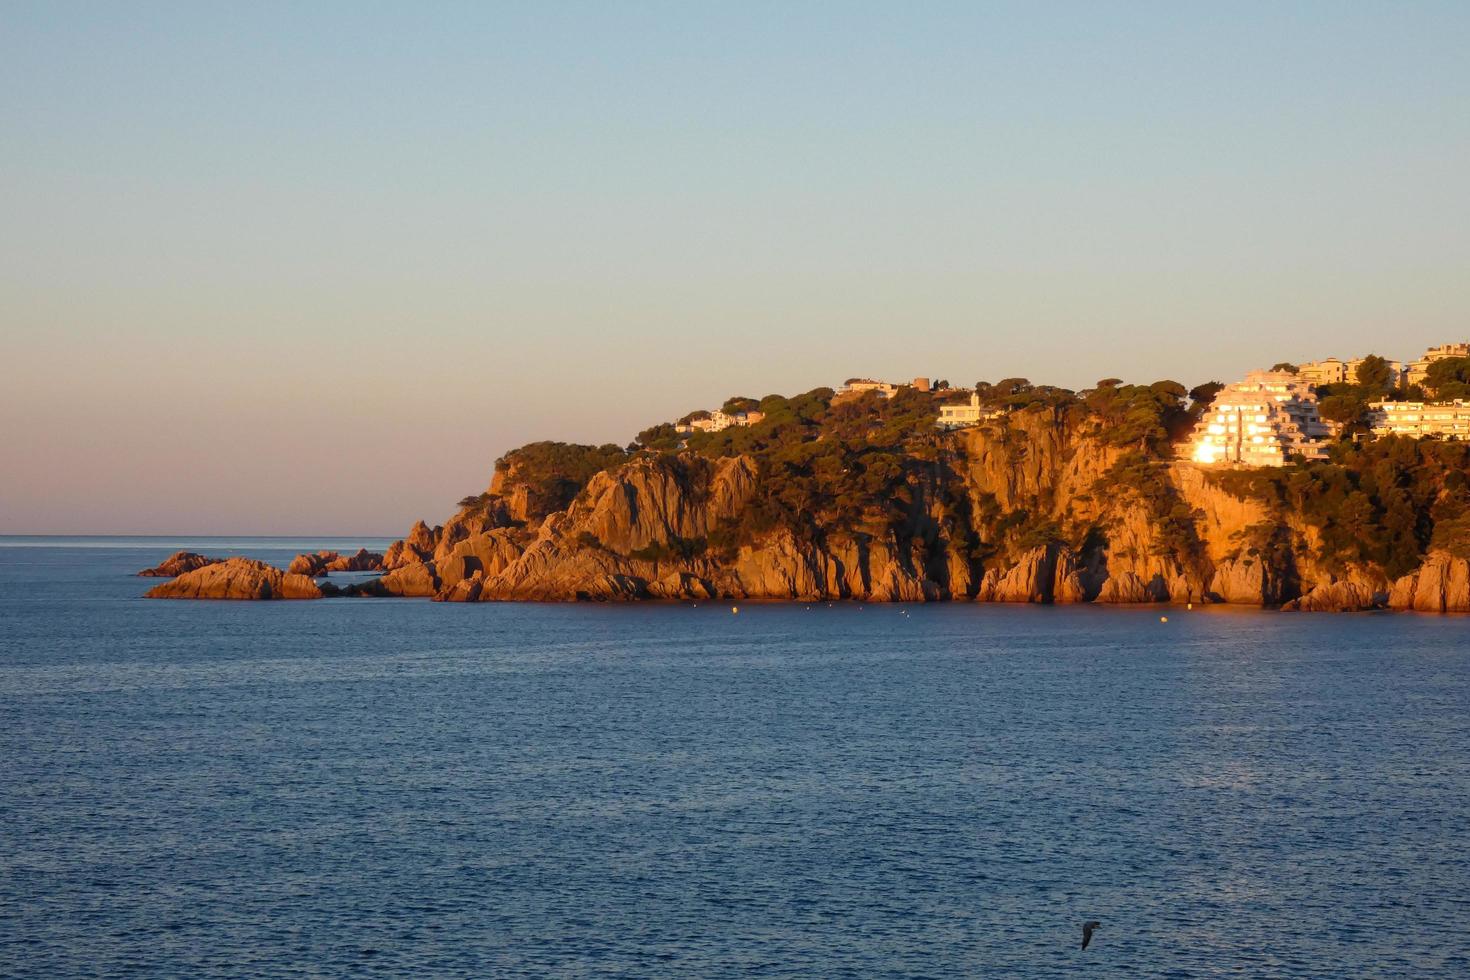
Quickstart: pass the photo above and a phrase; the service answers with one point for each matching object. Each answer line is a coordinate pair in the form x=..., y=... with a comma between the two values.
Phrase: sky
x=309, y=268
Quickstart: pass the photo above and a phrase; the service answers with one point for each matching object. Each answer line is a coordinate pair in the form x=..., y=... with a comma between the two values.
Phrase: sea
x=400, y=788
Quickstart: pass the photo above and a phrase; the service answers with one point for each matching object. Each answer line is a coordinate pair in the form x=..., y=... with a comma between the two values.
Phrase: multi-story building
x=1333, y=371
x=960, y=415
x=1448, y=420
x=1329, y=372
x=1264, y=420
x=1419, y=370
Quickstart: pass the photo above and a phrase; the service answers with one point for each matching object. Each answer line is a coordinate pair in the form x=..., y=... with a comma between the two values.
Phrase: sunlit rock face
x=237, y=578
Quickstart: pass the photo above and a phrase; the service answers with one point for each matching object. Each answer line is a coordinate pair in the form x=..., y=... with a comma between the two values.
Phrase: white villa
x=1260, y=421
x=720, y=421
x=1448, y=420
x=962, y=415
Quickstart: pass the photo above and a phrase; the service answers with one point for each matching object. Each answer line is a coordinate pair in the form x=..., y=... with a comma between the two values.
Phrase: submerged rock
x=237, y=578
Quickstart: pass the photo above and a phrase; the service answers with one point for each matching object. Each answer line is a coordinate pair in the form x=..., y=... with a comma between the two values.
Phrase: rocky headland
x=1062, y=498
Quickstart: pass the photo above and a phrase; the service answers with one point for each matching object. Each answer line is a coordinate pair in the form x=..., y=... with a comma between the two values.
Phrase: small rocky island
x=1050, y=497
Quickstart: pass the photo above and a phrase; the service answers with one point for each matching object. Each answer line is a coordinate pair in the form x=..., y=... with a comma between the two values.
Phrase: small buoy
x=1189, y=605
x=734, y=609
x=1163, y=619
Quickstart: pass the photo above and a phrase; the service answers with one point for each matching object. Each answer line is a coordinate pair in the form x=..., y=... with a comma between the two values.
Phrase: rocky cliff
x=1042, y=505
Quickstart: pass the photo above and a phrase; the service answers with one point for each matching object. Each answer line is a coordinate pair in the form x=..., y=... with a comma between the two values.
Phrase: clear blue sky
x=285, y=267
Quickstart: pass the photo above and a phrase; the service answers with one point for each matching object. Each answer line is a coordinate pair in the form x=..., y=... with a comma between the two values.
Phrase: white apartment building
x=1419, y=370
x=962, y=415
x=1448, y=420
x=1260, y=421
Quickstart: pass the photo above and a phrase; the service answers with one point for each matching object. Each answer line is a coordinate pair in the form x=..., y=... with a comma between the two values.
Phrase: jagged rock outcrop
x=416, y=580
x=312, y=565
x=681, y=585
x=415, y=549
x=1041, y=575
x=237, y=578
x=1126, y=587
x=177, y=564
x=324, y=562
x=1346, y=595
x=1249, y=580
x=1440, y=584
x=465, y=590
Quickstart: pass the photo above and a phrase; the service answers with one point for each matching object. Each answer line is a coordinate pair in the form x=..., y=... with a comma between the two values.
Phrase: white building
x=720, y=421
x=960, y=415
x=1419, y=370
x=1448, y=420
x=1260, y=421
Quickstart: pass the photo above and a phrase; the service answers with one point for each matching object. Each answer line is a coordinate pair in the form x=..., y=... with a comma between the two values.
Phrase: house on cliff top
x=961, y=415
x=719, y=421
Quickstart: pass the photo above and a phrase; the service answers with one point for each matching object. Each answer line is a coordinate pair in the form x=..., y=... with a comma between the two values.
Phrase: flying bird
x=1087, y=928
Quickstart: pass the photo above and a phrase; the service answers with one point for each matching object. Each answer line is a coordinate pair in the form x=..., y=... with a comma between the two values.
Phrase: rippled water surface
x=385, y=788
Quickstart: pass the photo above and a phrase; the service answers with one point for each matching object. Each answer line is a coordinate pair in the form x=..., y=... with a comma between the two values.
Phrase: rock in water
x=417, y=580
x=237, y=578
x=362, y=561
x=316, y=565
x=177, y=564
x=311, y=565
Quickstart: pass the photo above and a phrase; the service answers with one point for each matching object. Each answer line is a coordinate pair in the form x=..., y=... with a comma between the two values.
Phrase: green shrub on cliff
x=1449, y=378
x=551, y=474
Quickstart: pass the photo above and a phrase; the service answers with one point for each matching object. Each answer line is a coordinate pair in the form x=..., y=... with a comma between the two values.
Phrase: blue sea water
x=394, y=788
